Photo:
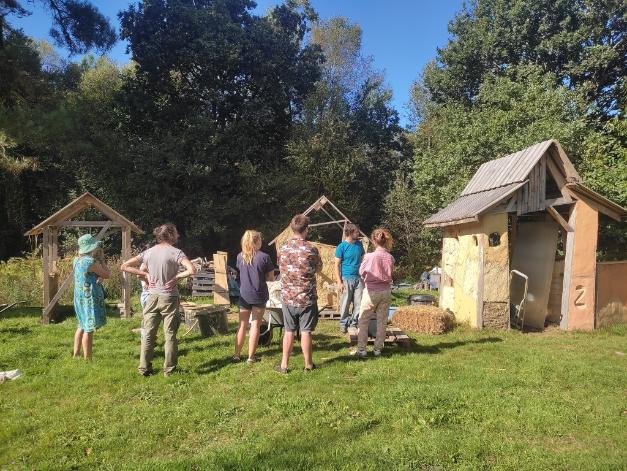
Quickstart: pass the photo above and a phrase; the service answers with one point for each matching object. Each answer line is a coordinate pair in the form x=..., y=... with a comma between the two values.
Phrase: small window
x=475, y=240
x=494, y=239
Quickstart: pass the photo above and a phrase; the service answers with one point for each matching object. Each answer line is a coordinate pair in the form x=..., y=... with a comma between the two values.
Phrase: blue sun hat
x=87, y=243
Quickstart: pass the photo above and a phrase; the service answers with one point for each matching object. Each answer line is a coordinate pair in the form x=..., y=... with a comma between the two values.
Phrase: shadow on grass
x=214, y=365
x=414, y=349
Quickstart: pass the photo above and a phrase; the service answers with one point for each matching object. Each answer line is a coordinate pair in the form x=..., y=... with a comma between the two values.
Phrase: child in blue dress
x=89, y=303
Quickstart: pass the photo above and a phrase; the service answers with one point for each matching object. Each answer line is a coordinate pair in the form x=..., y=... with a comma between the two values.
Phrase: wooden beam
x=558, y=201
x=559, y=219
x=47, y=295
x=89, y=224
x=588, y=198
x=126, y=277
x=480, y=283
x=50, y=305
x=559, y=178
x=327, y=223
x=221, y=284
x=568, y=268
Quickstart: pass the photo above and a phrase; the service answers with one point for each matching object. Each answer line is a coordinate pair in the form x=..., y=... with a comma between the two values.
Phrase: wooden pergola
x=50, y=229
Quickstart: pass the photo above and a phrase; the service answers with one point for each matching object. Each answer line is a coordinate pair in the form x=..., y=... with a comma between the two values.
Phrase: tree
x=76, y=24
x=207, y=112
x=347, y=143
x=582, y=44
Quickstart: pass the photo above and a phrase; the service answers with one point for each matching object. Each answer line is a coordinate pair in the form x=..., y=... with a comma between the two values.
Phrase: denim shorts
x=246, y=306
x=303, y=319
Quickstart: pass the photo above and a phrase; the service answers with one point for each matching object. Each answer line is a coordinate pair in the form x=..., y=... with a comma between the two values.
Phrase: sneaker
x=253, y=359
x=280, y=370
x=377, y=353
x=356, y=352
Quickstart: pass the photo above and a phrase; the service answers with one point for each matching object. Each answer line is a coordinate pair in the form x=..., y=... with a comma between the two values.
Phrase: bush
x=21, y=279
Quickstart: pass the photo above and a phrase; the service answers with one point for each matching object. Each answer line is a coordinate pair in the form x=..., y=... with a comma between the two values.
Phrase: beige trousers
x=373, y=303
x=159, y=307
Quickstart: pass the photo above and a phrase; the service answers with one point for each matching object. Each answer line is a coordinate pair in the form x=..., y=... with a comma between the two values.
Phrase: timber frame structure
x=338, y=219
x=50, y=229
x=328, y=298
x=505, y=228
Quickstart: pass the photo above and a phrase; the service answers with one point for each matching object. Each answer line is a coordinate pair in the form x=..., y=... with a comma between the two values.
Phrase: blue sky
x=400, y=35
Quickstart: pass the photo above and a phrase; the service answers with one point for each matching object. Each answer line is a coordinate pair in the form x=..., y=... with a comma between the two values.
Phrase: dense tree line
x=517, y=72
x=225, y=119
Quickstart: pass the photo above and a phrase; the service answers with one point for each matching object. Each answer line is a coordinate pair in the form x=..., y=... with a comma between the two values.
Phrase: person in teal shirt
x=348, y=256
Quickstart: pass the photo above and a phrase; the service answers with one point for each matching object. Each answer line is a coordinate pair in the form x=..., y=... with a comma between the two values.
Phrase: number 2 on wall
x=580, y=291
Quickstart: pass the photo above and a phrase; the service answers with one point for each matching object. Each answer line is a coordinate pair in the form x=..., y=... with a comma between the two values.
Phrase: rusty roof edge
x=468, y=218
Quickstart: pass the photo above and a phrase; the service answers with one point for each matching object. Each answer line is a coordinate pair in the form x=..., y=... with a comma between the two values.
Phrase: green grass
x=465, y=400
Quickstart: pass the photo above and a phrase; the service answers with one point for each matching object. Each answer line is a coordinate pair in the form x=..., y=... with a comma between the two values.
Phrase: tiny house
x=519, y=244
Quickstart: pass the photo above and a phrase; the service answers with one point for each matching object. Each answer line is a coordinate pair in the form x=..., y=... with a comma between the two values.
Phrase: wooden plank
x=559, y=178
x=47, y=295
x=568, y=268
x=221, y=288
x=543, y=182
x=88, y=224
x=559, y=219
x=599, y=207
x=126, y=277
x=480, y=282
x=558, y=201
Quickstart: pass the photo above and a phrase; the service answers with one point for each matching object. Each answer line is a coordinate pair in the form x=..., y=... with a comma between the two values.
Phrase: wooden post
x=569, y=245
x=126, y=279
x=45, y=245
x=221, y=283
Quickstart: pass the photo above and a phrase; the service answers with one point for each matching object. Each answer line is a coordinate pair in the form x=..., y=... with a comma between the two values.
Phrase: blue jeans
x=351, y=294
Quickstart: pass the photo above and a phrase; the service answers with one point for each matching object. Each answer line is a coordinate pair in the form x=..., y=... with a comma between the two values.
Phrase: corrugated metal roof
x=467, y=207
x=512, y=168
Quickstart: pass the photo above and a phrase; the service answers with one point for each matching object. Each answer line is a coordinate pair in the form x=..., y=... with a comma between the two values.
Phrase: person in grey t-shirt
x=162, y=274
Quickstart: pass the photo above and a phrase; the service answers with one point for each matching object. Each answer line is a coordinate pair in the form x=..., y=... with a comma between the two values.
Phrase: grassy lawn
x=466, y=400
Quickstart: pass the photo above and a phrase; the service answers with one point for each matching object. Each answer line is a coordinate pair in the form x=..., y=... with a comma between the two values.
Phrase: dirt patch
x=423, y=319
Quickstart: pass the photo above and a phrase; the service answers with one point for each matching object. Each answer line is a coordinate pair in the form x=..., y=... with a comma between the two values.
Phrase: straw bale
x=423, y=319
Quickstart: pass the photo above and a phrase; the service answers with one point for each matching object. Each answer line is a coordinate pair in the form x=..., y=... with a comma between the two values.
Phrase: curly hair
x=166, y=233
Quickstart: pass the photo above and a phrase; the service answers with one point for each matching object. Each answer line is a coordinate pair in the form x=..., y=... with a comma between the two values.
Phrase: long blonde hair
x=249, y=240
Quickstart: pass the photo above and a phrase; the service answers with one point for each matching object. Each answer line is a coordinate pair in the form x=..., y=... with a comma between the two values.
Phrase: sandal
x=280, y=370
x=236, y=359
x=310, y=369
x=253, y=359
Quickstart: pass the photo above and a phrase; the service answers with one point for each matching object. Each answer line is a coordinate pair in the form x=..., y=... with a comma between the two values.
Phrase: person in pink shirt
x=376, y=272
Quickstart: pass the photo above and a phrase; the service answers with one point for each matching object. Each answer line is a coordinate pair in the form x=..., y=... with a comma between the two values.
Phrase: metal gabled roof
x=512, y=168
x=467, y=208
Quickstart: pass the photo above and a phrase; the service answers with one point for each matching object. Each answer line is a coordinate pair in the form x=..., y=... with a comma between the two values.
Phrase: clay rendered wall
x=611, y=293
x=581, y=289
x=495, y=272
x=460, y=273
